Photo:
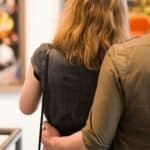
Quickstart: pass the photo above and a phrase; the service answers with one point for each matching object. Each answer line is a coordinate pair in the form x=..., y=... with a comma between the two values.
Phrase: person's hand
x=48, y=134
x=49, y=143
x=49, y=131
x=71, y=142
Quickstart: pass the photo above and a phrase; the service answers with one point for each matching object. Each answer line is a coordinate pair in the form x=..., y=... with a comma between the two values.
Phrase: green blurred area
x=141, y=6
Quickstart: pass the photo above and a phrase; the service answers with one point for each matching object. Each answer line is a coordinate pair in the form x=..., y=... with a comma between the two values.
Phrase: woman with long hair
x=87, y=29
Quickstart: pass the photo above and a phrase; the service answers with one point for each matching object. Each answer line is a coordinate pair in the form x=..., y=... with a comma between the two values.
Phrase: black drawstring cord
x=43, y=99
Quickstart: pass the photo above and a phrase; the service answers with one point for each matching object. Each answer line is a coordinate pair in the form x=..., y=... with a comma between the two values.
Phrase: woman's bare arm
x=31, y=92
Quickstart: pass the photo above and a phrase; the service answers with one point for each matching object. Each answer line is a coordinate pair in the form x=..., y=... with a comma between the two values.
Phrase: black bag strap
x=44, y=96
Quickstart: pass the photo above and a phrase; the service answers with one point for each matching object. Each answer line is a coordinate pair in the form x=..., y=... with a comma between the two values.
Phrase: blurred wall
x=41, y=21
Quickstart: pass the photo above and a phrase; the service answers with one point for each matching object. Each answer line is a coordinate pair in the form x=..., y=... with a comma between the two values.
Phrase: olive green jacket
x=120, y=115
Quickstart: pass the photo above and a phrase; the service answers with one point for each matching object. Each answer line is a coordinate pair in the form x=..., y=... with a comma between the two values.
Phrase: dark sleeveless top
x=70, y=89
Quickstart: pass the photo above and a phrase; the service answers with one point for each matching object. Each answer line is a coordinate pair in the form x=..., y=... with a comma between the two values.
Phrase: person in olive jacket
x=120, y=115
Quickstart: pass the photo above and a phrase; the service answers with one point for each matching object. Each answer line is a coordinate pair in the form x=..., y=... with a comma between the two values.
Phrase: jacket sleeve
x=107, y=107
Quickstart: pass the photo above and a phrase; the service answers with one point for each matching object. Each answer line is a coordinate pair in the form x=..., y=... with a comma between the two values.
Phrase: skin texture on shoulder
x=72, y=142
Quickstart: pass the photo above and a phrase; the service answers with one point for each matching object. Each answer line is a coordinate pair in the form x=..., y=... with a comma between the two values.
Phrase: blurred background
x=139, y=16
x=41, y=18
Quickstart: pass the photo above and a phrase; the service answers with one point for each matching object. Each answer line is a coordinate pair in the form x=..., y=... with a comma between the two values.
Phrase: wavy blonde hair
x=89, y=27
